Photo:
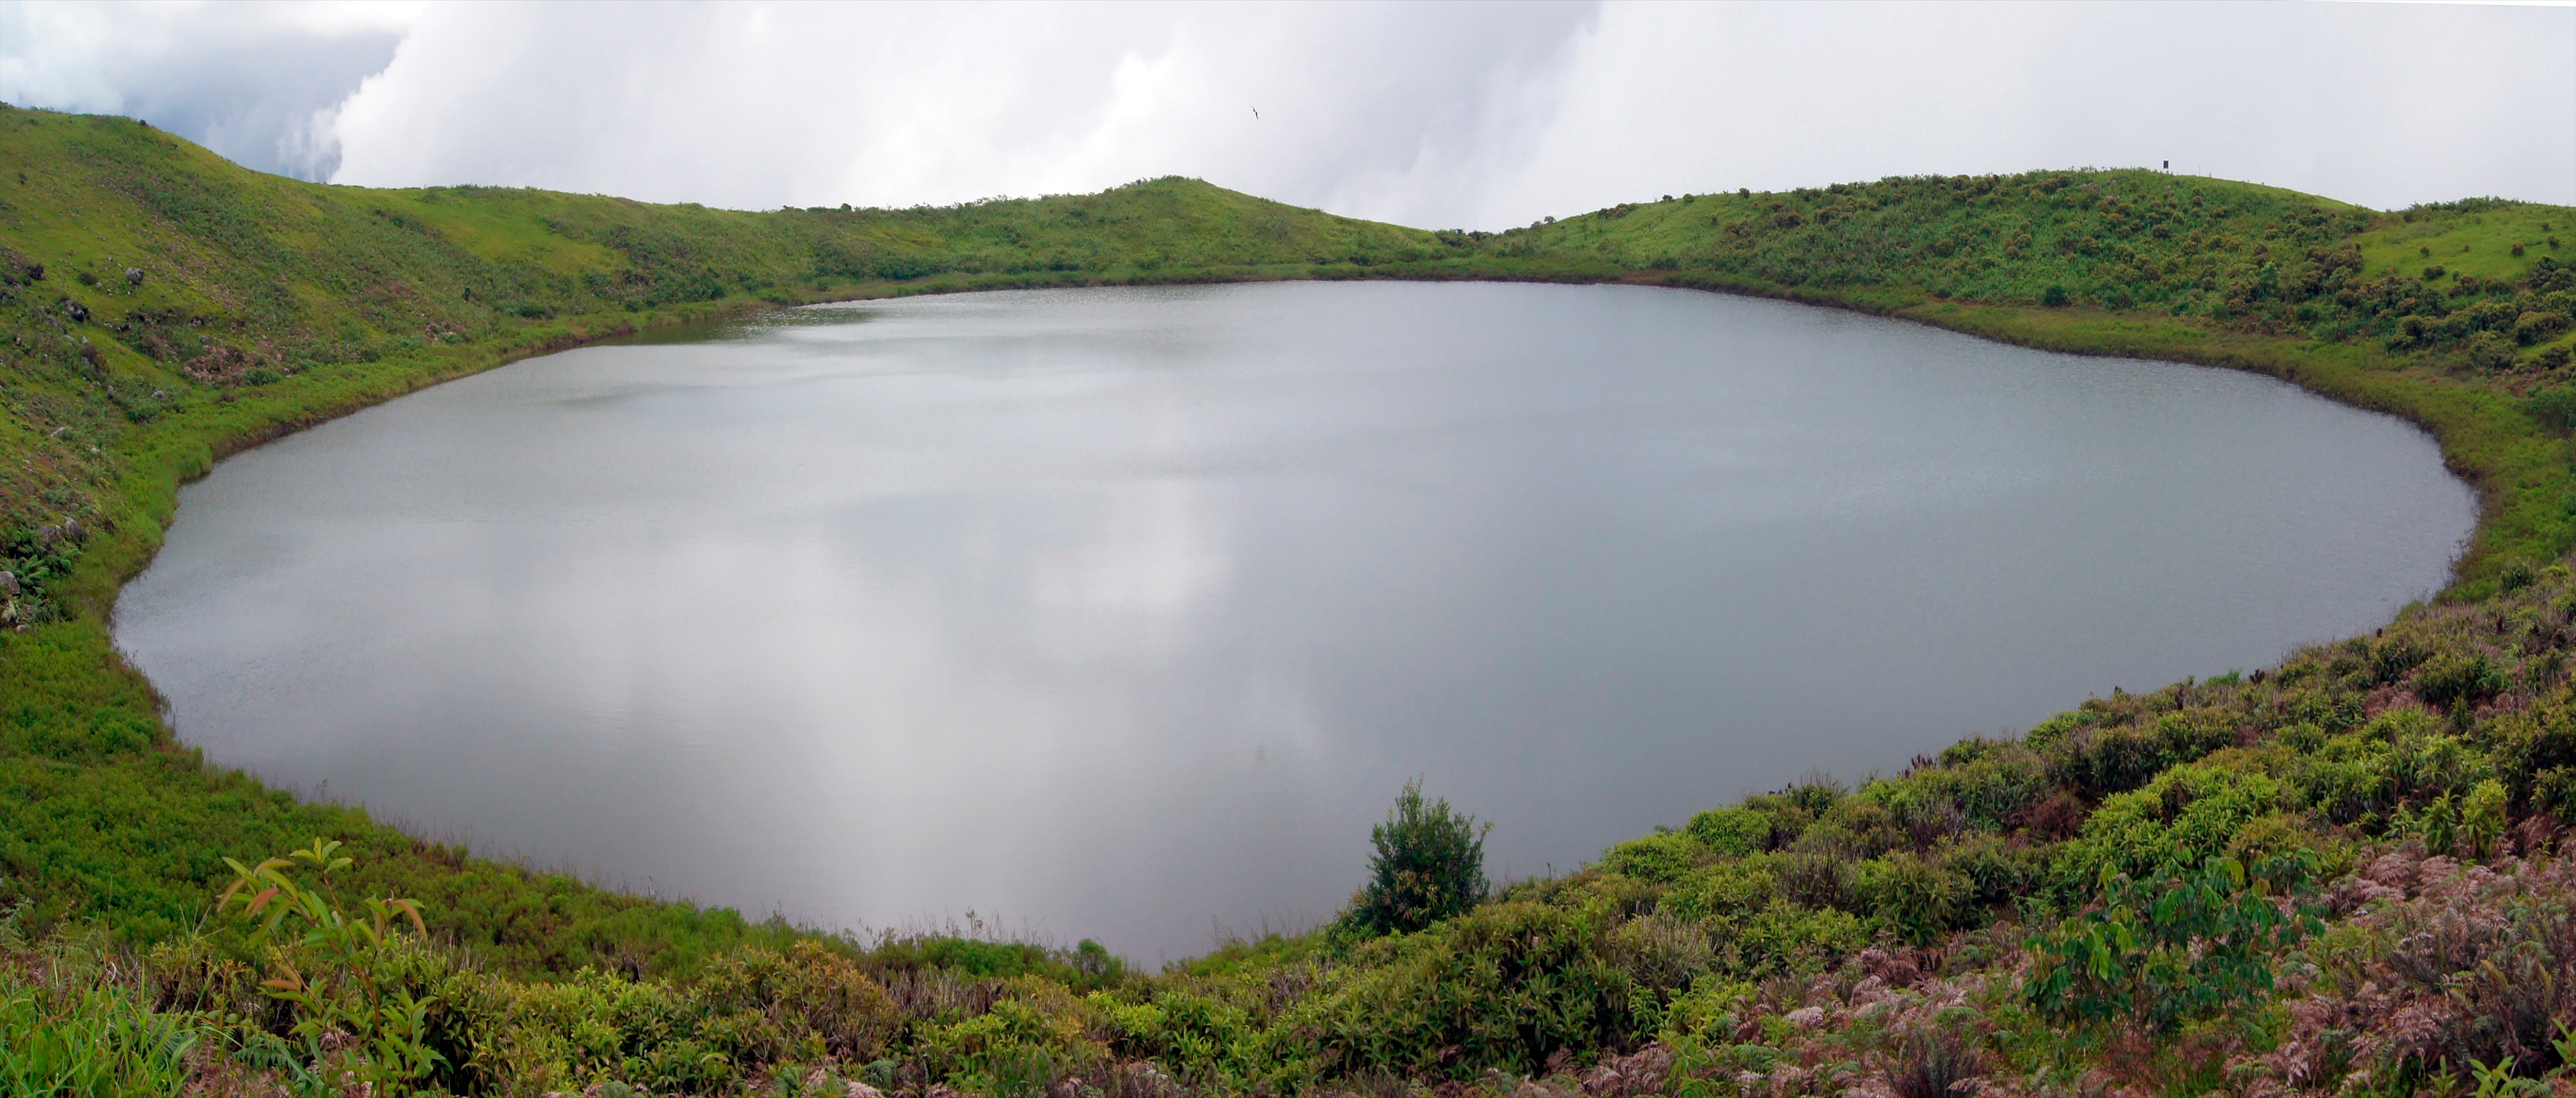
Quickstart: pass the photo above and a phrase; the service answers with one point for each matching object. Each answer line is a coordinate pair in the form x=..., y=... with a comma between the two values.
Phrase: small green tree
x=1429, y=865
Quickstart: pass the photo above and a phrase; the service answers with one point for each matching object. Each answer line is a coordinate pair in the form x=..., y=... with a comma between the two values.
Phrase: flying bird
x=1256, y=114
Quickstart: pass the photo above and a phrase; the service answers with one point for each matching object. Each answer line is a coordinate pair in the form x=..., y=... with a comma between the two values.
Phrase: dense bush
x=2553, y=408
x=1428, y=864
x=1734, y=832
x=1662, y=859
x=2187, y=946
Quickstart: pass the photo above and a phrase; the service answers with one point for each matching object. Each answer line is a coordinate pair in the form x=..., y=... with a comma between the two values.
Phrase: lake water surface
x=1124, y=613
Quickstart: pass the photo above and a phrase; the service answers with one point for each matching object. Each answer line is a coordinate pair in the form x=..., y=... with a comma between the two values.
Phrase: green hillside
x=2339, y=875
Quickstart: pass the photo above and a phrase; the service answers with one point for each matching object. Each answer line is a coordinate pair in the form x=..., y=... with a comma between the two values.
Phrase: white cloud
x=2379, y=104
x=247, y=81
x=761, y=104
x=1478, y=115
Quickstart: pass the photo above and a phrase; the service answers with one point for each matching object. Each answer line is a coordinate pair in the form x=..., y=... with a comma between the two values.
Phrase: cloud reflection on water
x=1112, y=613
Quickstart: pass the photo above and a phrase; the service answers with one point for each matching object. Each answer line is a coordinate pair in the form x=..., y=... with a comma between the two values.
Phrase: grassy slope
x=268, y=303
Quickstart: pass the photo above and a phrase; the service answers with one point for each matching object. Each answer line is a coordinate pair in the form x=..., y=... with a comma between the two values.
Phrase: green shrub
x=340, y=973
x=1199, y=1038
x=1922, y=811
x=1816, y=793
x=1812, y=879
x=976, y=957
x=2187, y=814
x=2191, y=734
x=1732, y=832
x=2300, y=737
x=2183, y=947
x=1726, y=891
x=2482, y=819
x=808, y=993
x=1919, y=900
x=1786, y=938
x=2539, y=327
x=1994, y=787
x=2554, y=408
x=2534, y=753
x=1858, y=827
x=594, y=1027
x=2290, y=834
x=1996, y=873
x=1787, y=821
x=2425, y=760
x=2515, y=576
x=1791, y=811
x=748, y=1011
x=2330, y=710
x=2097, y=762
x=1032, y=1036
x=1659, y=859
x=2046, y=734
x=2347, y=779
x=2458, y=678
x=1939, y=1056
x=2392, y=658
x=1502, y=986
x=2401, y=724
x=2490, y=351
x=1429, y=865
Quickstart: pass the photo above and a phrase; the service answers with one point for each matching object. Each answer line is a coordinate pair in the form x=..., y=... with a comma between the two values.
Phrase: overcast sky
x=1470, y=115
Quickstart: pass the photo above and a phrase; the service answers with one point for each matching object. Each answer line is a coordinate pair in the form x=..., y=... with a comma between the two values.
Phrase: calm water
x=1124, y=613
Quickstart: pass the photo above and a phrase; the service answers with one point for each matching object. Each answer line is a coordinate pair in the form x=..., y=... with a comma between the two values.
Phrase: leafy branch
x=347, y=991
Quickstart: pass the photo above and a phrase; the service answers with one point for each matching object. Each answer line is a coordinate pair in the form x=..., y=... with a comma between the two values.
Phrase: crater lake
x=1123, y=614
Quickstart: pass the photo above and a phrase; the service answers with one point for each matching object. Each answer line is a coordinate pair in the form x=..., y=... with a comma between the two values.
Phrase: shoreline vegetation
x=2342, y=874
